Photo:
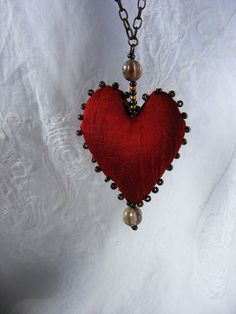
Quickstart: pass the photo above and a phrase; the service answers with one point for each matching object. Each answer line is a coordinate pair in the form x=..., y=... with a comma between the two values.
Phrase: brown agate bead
x=132, y=70
x=132, y=216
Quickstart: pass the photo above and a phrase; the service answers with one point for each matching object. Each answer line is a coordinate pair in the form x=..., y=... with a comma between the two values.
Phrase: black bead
x=133, y=83
x=134, y=228
x=107, y=179
x=129, y=203
x=131, y=112
x=158, y=90
x=137, y=110
x=140, y=204
x=145, y=97
x=83, y=106
x=160, y=182
x=113, y=186
x=115, y=85
x=177, y=156
x=102, y=84
x=97, y=169
x=148, y=198
x=90, y=92
x=172, y=93
x=79, y=132
x=121, y=196
x=187, y=129
x=80, y=117
x=170, y=168
x=93, y=160
x=184, y=141
x=155, y=189
x=126, y=94
x=85, y=146
x=130, y=56
x=180, y=103
x=184, y=115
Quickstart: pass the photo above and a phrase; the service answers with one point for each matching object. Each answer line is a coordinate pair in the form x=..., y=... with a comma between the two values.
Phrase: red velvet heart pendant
x=133, y=151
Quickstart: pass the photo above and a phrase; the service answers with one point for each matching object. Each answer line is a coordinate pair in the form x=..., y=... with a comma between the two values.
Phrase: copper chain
x=137, y=23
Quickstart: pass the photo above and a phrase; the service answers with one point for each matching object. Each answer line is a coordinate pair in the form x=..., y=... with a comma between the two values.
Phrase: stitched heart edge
x=98, y=169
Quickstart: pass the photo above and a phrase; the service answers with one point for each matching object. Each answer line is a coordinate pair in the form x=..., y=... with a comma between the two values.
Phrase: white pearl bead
x=132, y=216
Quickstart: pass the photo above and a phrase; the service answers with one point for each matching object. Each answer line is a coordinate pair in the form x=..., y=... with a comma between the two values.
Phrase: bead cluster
x=132, y=71
x=132, y=215
x=132, y=97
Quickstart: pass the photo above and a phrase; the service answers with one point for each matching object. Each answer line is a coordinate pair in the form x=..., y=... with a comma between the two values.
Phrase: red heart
x=133, y=151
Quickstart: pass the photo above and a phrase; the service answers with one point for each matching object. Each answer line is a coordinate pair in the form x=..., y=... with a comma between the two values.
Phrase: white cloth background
x=63, y=245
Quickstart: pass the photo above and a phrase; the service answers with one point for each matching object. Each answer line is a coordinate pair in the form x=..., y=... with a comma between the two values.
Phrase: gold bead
x=132, y=98
x=132, y=70
x=132, y=216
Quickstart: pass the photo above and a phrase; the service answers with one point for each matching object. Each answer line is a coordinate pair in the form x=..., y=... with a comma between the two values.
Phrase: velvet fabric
x=133, y=151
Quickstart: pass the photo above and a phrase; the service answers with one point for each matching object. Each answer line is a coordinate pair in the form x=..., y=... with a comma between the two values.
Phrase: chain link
x=137, y=23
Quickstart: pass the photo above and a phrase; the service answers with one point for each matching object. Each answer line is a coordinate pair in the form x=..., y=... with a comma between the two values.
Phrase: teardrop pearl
x=132, y=216
x=132, y=70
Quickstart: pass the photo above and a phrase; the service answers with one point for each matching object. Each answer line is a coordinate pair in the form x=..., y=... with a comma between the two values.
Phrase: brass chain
x=137, y=23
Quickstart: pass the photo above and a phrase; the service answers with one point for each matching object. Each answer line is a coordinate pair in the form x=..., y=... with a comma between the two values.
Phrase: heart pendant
x=133, y=148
